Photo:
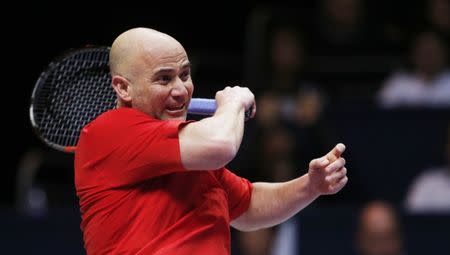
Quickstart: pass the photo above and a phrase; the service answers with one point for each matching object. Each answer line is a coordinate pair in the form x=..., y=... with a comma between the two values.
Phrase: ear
x=122, y=87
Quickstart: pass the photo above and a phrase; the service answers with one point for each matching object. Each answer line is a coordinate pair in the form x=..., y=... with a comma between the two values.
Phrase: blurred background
x=371, y=74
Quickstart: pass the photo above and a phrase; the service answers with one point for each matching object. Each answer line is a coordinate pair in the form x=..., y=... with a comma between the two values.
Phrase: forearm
x=227, y=123
x=273, y=203
x=213, y=142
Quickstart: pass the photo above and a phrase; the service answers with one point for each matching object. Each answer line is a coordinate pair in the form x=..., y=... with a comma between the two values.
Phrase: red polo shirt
x=137, y=198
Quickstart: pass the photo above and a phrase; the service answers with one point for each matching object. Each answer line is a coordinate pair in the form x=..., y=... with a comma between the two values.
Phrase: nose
x=179, y=90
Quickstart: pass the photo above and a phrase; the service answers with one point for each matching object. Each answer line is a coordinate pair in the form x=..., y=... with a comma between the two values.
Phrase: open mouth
x=176, y=109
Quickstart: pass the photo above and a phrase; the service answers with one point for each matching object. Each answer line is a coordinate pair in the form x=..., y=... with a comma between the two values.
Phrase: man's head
x=429, y=53
x=151, y=72
x=379, y=231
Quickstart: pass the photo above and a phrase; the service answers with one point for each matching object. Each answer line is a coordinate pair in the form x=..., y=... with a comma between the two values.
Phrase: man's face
x=162, y=86
x=379, y=233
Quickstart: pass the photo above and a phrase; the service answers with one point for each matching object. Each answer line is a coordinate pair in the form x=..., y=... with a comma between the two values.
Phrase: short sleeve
x=127, y=147
x=239, y=191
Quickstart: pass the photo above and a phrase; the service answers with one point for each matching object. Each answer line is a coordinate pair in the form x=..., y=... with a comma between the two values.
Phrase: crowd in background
x=307, y=71
x=301, y=71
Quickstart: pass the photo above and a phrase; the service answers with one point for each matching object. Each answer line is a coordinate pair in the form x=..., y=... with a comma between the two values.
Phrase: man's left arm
x=273, y=203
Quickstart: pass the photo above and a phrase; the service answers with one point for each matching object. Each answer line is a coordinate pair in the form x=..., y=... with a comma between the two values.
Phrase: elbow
x=209, y=154
x=203, y=150
x=223, y=151
x=230, y=150
x=247, y=228
x=245, y=224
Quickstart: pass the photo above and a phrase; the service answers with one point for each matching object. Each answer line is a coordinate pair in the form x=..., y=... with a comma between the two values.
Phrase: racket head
x=72, y=91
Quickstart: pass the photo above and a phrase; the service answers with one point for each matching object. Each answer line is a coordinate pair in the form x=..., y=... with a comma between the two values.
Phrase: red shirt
x=137, y=198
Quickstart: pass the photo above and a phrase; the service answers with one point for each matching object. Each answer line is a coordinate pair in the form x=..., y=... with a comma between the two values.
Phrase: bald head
x=379, y=230
x=151, y=72
x=136, y=46
x=378, y=215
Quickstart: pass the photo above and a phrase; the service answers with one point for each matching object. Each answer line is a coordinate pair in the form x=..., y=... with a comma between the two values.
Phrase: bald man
x=150, y=182
x=379, y=230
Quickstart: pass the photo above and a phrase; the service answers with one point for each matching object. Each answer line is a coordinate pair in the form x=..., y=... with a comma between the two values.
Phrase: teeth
x=176, y=108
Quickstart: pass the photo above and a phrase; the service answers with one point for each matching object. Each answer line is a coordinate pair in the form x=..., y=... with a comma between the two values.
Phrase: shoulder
x=432, y=174
x=122, y=127
x=121, y=115
x=118, y=120
x=401, y=77
x=444, y=78
x=129, y=122
x=115, y=124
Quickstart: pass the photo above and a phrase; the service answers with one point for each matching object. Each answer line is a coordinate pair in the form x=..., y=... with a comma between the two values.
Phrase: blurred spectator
x=430, y=191
x=290, y=97
x=290, y=137
x=288, y=77
x=427, y=83
x=342, y=28
x=308, y=126
x=269, y=112
x=275, y=162
x=44, y=181
x=284, y=68
x=310, y=105
x=379, y=231
x=279, y=98
x=277, y=152
x=251, y=152
x=342, y=20
x=438, y=16
x=286, y=55
x=257, y=242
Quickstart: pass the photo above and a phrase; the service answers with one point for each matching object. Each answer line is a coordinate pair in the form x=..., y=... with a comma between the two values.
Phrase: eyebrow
x=163, y=70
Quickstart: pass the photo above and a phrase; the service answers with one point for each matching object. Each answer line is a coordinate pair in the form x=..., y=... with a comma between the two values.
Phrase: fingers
x=336, y=176
x=318, y=163
x=336, y=152
x=253, y=110
x=237, y=95
x=334, y=188
x=339, y=163
x=328, y=173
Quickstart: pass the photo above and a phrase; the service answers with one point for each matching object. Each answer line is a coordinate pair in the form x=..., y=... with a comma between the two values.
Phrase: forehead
x=170, y=55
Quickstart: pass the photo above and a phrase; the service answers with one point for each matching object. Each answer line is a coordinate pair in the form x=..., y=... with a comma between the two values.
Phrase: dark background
x=48, y=30
x=214, y=34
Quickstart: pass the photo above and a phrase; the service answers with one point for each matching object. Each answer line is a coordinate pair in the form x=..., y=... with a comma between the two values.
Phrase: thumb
x=336, y=152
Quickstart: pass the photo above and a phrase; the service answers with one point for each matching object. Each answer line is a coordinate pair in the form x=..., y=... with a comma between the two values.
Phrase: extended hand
x=328, y=174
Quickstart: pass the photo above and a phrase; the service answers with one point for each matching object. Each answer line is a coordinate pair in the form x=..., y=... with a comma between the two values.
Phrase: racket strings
x=74, y=92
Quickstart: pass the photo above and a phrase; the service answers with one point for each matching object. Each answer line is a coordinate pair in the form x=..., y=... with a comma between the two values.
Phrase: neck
x=122, y=104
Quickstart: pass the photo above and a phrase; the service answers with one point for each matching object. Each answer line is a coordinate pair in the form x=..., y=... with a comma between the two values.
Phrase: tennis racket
x=73, y=90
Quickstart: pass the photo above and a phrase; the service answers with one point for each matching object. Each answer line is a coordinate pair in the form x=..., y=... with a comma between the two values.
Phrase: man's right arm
x=213, y=142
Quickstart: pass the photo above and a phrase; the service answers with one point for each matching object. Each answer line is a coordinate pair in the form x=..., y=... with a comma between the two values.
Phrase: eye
x=184, y=76
x=165, y=79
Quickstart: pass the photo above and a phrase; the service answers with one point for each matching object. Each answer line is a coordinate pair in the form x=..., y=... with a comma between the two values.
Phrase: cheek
x=157, y=96
x=190, y=88
x=142, y=96
x=148, y=99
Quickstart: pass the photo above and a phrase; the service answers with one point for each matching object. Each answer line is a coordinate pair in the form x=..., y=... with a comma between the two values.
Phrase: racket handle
x=206, y=106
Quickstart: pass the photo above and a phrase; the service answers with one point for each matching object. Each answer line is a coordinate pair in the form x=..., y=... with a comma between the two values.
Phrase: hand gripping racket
x=76, y=88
